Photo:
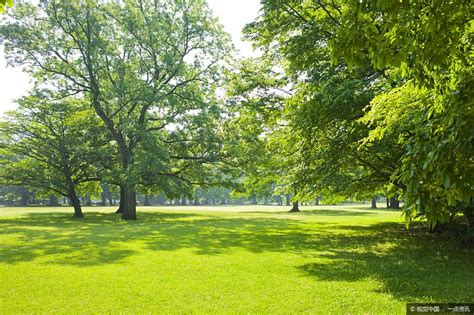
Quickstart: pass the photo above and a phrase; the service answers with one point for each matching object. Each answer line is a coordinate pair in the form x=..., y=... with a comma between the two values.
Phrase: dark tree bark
x=130, y=203
x=288, y=199
x=53, y=201
x=146, y=202
x=77, y=209
x=295, y=207
x=121, y=201
x=75, y=202
x=394, y=202
x=318, y=198
x=387, y=200
x=24, y=198
x=374, y=203
x=183, y=200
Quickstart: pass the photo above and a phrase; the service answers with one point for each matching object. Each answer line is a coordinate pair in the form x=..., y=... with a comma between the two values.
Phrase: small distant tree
x=12, y=194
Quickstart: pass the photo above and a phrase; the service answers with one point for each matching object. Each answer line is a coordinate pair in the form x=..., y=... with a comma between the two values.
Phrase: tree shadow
x=410, y=265
x=58, y=238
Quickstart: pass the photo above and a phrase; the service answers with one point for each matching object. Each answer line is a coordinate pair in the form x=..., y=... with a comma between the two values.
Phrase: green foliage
x=436, y=166
x=414, y=58
x=429, y=46
x=259, y=133
x=5, y=4
x=52, y=146
x=322, y=115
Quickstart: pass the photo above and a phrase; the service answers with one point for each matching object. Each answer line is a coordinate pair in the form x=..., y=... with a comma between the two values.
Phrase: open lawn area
x=247, y=259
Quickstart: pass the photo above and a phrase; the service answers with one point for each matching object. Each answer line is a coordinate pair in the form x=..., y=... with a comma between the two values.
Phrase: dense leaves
x=384, y=94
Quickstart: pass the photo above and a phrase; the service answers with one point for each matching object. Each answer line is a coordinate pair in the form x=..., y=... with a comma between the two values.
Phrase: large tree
x=148, y=68
x=51, y=146
x=422, y=50
x=322, y=114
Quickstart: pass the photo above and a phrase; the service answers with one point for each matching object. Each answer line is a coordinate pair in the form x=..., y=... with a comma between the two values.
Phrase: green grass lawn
x=325, y=260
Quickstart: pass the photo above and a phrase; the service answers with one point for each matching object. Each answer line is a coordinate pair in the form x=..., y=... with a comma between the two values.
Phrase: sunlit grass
x=325, y=260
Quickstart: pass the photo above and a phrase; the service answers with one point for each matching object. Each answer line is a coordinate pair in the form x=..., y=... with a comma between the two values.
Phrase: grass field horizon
x=225, y=259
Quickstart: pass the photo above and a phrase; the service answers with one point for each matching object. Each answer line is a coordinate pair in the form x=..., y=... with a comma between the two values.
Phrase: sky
x=232, y=14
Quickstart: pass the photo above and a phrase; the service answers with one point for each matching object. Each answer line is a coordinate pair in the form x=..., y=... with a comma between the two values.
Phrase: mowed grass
x=325, y=260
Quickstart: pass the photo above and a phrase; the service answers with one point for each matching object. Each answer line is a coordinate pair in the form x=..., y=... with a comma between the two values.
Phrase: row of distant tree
x=22, y=196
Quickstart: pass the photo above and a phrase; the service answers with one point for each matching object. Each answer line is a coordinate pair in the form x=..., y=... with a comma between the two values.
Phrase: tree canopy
x=406, y=64
x=148, y=69
x=52, y=147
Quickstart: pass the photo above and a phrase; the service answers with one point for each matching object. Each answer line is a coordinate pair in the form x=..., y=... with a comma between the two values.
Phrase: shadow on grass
x=410, y=267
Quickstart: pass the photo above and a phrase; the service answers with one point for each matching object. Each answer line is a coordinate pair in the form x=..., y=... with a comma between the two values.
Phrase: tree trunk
x=121, y=201
x=129, y=204
x=254, y=200
x=394, y=203
x=183, y=200
x=146, y=202
x=53, y=201
x=295, y=207
x=374, y=203
x=24, y=198
x=318, y=198
x=387, y=200
x=288, y=199
x=75, y=202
